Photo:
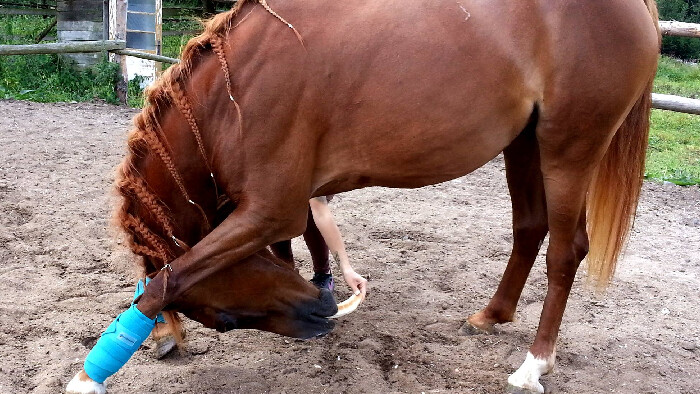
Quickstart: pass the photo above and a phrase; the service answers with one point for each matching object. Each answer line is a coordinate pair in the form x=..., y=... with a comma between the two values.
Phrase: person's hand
x=357, y=283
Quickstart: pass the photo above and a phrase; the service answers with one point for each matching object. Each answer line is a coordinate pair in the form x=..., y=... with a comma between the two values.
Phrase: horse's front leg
x=244, y=232
x=247, y=230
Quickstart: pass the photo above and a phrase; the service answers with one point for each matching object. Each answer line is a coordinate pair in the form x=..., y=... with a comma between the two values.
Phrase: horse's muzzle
x=327, y=305
x=313, y=318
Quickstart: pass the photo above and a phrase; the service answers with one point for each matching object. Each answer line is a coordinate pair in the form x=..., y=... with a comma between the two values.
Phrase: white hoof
x=527, y=377
x=82, y=384
x=164, y=346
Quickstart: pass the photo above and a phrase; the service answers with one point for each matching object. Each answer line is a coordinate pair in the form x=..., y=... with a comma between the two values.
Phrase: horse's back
x=387, y=84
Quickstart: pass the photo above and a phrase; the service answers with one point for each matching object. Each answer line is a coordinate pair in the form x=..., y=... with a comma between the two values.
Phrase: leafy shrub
x=49, y=78
x=683, y=11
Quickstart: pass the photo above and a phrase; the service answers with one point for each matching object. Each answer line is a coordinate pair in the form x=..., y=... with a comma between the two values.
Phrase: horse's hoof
x=527, y=377
x=164, y=346
x=82, y=384
x=521, y=390
x=469, y=329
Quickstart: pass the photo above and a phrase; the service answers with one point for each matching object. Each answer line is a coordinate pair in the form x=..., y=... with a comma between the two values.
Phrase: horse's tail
x=654, y=12
x=614, y=191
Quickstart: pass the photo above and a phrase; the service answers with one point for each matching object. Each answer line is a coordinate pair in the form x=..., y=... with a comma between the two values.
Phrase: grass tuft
x=674, y=138
x=49, y=78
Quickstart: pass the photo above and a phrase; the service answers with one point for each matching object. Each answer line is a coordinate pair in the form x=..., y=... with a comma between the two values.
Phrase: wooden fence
x=679, y=29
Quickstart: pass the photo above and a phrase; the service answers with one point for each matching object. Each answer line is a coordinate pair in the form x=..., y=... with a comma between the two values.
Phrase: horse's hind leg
x=568, y=245
x=529, y=229
x=569, y=156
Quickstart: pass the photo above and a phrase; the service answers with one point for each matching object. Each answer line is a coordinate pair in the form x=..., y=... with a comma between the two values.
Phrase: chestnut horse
x=274, y=104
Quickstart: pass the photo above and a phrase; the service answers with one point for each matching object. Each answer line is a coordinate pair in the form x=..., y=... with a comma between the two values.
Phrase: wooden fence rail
x=679, y=29
x=27, y=11
x=146, y=55
x=62, y=47
x=116, y=46
x=675, y=103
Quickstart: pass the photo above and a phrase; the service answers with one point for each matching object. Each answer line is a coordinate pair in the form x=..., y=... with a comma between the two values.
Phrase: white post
x=143, y=19
x=117, y=31
x=140, y=24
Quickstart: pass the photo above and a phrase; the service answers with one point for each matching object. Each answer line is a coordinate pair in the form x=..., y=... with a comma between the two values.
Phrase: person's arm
x=331, y=234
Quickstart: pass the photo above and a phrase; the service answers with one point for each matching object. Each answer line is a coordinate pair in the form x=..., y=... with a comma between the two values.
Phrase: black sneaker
x=323, y=281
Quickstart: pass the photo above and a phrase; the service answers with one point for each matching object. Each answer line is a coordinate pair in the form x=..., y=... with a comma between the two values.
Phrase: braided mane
x=159, y=246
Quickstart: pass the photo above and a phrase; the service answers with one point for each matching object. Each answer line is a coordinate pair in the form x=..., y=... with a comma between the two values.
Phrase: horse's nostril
x=328, y=306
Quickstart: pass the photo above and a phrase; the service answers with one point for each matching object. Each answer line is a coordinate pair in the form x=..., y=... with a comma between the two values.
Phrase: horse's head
x=260, y=292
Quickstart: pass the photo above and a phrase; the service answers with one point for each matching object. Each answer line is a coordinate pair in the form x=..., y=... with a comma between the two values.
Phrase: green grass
x=49, y=78
x=674, y=148
x=678, y=78
x=674, y=139
x=172, y=45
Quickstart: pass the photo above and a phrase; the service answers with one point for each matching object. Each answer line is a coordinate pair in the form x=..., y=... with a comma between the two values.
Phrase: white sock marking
x=528, y=375
x=77, y=386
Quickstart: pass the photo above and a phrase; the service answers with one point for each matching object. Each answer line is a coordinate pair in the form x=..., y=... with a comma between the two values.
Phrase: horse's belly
x=418, y=152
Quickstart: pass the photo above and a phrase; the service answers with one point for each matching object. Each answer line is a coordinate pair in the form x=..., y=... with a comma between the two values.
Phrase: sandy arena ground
x=434, y=256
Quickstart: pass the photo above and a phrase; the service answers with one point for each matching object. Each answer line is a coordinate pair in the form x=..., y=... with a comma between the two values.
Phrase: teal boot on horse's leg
x=163, y=332
x=114, y=348
x=118, y=343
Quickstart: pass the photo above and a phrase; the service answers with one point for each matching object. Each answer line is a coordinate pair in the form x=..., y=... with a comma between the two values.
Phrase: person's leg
x=325, y=225
x=323, y=278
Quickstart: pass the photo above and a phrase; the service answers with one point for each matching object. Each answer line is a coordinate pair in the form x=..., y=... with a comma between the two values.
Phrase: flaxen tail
x=614, y=191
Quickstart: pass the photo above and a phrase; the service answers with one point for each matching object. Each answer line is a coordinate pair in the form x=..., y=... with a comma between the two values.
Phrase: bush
x=683, y=11
x=49, y=78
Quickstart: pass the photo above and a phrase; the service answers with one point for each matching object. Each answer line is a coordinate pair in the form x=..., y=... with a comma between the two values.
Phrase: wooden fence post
x=79, y=20
x=117, y=31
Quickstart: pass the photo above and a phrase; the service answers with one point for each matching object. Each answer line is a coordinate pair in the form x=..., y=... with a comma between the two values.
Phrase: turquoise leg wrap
x=120, y=341
x=117, y=344
x=140, y=287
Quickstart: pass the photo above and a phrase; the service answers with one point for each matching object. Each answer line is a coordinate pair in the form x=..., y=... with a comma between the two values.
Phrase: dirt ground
x=433, y=255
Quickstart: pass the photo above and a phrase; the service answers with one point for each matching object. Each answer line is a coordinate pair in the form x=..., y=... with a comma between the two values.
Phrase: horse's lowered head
x=260, y=292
